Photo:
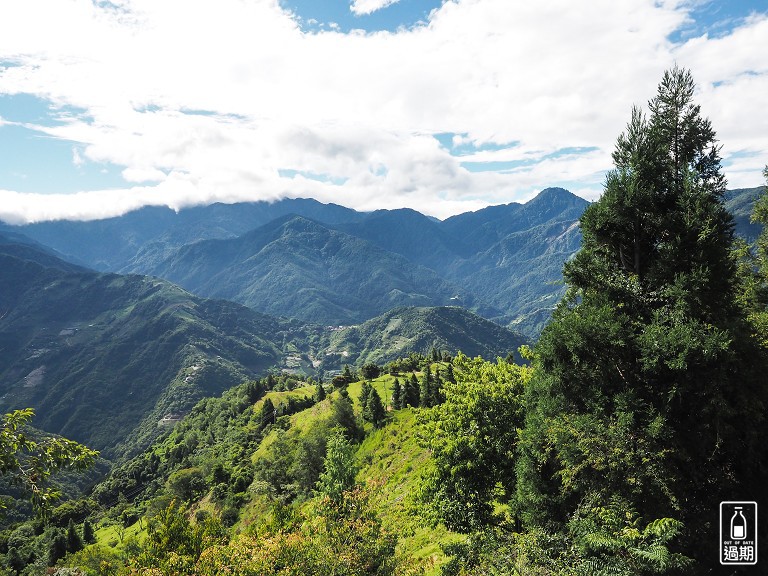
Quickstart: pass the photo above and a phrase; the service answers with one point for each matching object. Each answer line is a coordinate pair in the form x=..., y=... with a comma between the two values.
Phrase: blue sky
x=441, y=106
x=314, y=15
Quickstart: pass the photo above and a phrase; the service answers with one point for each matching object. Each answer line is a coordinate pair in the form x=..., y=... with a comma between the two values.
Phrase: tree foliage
x=174, y=544
x=649, y=369
x=339, y=465
x=323, y=543
x=30, y=462
x=370, y=371
x=374, y=410
x=473, y=439
x=397, y=395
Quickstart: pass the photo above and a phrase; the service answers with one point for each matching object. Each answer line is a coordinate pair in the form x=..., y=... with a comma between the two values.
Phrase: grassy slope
x=390, y=459
x=391, y=462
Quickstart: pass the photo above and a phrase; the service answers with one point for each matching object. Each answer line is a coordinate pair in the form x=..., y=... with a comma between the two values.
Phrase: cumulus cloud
x=363, y=7
x=199, y=102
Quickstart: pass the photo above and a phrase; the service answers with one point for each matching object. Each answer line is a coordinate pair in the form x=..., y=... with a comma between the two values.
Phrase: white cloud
x=363, y=7
x=143, y=175
x=77, y=159
x=199, y=101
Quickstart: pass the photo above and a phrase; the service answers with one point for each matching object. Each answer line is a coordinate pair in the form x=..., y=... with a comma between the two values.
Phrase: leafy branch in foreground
x=30, y=462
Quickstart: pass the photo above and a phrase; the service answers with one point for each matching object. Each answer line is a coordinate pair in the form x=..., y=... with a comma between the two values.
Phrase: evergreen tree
x=365, y=392
x=344, y=415
x=753, y=268
x=397, y=393
x=253, y=391
x=430, y=389
x=58, y=546
x=411, y=392
x=647, y=392
x=339, y=467
x=437, y=389
x=320, y=392
x=267, y=414
x=425, y=389
x=74, y=542
x=88, y=535
x=374, y=410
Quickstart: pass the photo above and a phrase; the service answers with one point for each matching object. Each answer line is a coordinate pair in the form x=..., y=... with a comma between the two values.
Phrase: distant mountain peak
x=556, y=194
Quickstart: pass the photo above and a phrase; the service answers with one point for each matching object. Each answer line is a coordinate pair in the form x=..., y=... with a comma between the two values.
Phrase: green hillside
x=396, y=333
x=105, y=358
x=302, y=269
x=102, y=358
x=253, y=458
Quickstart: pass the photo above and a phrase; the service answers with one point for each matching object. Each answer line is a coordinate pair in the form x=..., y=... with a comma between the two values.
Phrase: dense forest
x=606, y=450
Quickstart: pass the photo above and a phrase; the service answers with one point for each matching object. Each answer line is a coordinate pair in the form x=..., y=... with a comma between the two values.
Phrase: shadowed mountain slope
x=300, y=268
x=103, y=357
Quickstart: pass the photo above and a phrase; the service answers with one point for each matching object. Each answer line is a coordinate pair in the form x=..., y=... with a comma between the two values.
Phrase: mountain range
x=106, y=359
x=299, y=268
x=324, y=263
x=237, y=290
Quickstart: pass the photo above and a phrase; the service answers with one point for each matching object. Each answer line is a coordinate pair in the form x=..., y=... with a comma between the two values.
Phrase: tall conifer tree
x=648, y=394
x=365, y=392
x=411, y=392
x=397, y=395
x=374, y=410
x=320, y=392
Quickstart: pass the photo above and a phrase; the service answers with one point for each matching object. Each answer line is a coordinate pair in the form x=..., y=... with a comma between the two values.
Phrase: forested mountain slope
x=503, y=262
x=103, y=358
x=299, y=268
x=99, y=355
x=396, y=333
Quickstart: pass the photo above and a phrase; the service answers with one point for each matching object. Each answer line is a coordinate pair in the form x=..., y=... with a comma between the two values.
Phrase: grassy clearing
x=279, y=398
x=392, y=462
x=114, y=536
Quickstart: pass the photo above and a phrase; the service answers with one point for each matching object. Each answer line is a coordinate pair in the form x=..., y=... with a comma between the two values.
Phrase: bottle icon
x=738, y=525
